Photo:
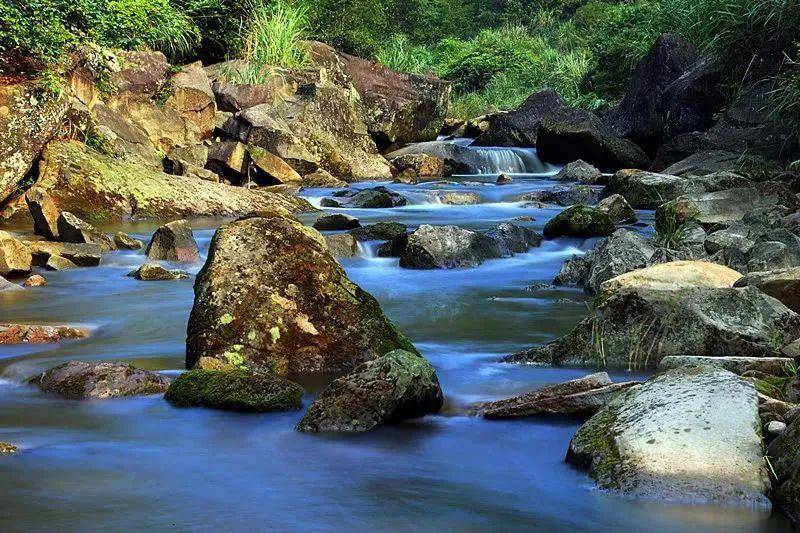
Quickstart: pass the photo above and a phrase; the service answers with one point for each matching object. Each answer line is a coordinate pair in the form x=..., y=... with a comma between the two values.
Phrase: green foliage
x=403, y=56
x=670, y=231
x=274, y=33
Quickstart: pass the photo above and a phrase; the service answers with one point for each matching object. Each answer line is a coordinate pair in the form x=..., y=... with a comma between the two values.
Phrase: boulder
x=193, y=98
x=690, y=102
x=673, y=276
x=380, y=231
x=395, y=247
x=56, y=262
x=521, y=126
x=342, y=244
x=513, y=239
x=269, y=169
x=15, y=257
x=574, y=272
x=459, y=198
x=322, y=178
x=736, y=236
x=447, y=247
x=230, y=159
x=32, y=281
x=709, y=162
x=637, y=328
x=688, y=435
x=616, y=207
x=647, y=190
x=7, y=286
x=173, y=241
x=124, y=241
x=375, y=198
x=621, y=252
x=783, y=284
x=141, y=74
x=564, y=196
x=579, y=170
x=457, y=159
x=397, y=386
x=423, y=165
x=76, y=230
x=156, y=272
x=784, y=454
x=775, y=366
x=234, y=390
x=44, y=212
x=336, y=222
x=309, y=316
x=38, y=334
x=82, y=380
x=504, y=179
x=80, y=254
x=579, y=221
x=771, y=255
x=715, y=207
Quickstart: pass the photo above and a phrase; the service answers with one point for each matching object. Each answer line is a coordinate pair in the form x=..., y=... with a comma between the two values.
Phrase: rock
x=715, y=207
x=689, y=435
x=447, y=247
x=342, y=245
x=579, y=221
x=7, y=286
x=457, y=159
x=513, y=239
x=380, y=231
x=82, y=380
x=521, y=126
x=640, y=115
x=776, y=428
x=15, y=257
x=504, y=179
x=34, y=281
x=784, y=457
x=423, y=165
x=44, y=212
x=647, y=190
x=269, y=169
x=322, y=178
x=173, y=241
x=73, y=229
x=459, y=198
x=7, y=449
x=376, y=198
x=310, y=317
x=782, y=284
x=689, y=102
x=579, y=170
x=38, y=334
x=768, y=255
x=775, y=366
x=640, y=327
x=193, y=98
x=673, y=276
x=56, y=262
x=396, y=247
x=234, y=390
x=79, y=254
x=574, y=272
x=336, y=222
x=578, y=397
x=733, y=237
x=709, y=162
x=391, y=388
x=564, y=196
x=233, y=97
x=616, y=207
x=141, y=74
x=94, y=186
x=126, y=242
x=155, y=272
x=230, y=159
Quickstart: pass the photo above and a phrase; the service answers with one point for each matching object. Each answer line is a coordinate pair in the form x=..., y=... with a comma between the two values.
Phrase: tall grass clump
x=401, y=55
x=274, y=34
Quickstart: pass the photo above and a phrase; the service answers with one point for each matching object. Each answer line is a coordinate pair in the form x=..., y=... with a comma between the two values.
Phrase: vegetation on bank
x=496, y=53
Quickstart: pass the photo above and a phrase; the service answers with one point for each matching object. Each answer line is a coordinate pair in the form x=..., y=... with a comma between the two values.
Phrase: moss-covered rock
x=271, y=295
x=82, y=380
x=394, y=387
x=235, y=390
x=579, y=221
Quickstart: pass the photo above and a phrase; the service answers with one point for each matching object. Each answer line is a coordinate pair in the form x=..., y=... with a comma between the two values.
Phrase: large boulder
x=391, y=388
x=380, y=231
x=637, y=328
x=95, y=186
x=76, y=230
x=689, y=435
x=690, y=102
x=82, y=380
x=373, y=198
x=578, y=170
x=80, y=254
x=193, y=98
x=579, y=221
x=272, y=296
x=673, y=275
x=783, y=284
x=173, y=241
x=709, y=162
x=44, y=212
x=521, y=126
x=714, y=207
x=234, y=390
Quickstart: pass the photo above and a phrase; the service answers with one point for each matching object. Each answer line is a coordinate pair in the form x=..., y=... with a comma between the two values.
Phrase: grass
x=274, y=34
x=401, y=55
x=670, y=232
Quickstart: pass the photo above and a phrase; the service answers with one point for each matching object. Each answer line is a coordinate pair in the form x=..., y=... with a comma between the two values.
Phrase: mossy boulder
x=82, y=380
x=272, y=295
x=394, y=387
x=579, y=221
x=234, y=390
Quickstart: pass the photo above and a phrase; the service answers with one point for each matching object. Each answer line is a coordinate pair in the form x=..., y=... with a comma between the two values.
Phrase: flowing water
x=141, y=464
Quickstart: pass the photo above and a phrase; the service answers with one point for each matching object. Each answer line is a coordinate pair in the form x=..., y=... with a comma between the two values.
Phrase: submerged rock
x=173, y=241
x=688, y=435
x=271, y=295
x=156, y=272
x=82, y=380
x=579, y=221
x=38, y=334
x=56, y=262
x=391, y=388
x=234, y=390
x=33, y=281
x=380, y=231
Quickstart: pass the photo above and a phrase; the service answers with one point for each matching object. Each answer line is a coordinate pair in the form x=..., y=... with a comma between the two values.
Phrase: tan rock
x=193, y=98
x=15, y=257
x=35, y=281
x=38, y=334
x=44, y=212
x=672, y=276
x=272, y=169
x=783, y=284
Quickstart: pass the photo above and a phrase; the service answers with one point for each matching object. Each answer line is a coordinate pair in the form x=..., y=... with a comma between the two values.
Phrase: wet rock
x=34, y=281
x=782, y=284
x=690, y=435
x=513, y=239
x=775, y=366
x=564, y=196
x=7, y=448
x=616, y=207
x=322, y=178
x=234, y=390
x=504, y=179
x=342, y=245
x=578, y=397
x=715, y=207
x=75, y=230
x=173, y=241
x=579, y=170
x=711, y=161
x=673, y=276
x=579, y=221
x=460, y=198
x=38, y=334
x=423, y=165
x=336, y=222
x=447, y=247
x=56, y=262
x=397, y=386
x=82, y=380
x=574, y=272
x=396, y=247
x=126, y=242
x=156, y=272
x=15, y=257
x=44, y=212
x=784, y=454
x=79, y=254
x=380, y=231
x=376, y=198
x=457, y=159
x=309, y=316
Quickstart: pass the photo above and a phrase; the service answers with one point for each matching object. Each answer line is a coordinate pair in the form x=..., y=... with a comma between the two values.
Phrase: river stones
x=272, y=296
x=234, y=390
x=579, y=221
x=34, y=280
x=123, y=241
x=173, y=241
x=691, y=435
x=374, y=198
x=637, y=328
x=423, y=165
x=564, y=196
x=342, y=244
x=75, y=230
x=15, y=257
x=674, y=275
x=82, y=380
x=446, y=247
x=380, y=231
x=336, y=222
x=616, y=207
x=56, y=262
x=44, y=212
x=38, y=334
x=394, y=387
x=156, y=272
x=578, y=170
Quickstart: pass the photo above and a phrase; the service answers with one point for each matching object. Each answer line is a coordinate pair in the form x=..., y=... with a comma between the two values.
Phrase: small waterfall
x=512, y=160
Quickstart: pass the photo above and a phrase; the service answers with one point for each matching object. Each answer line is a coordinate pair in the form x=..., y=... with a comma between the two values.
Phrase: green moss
x=772, y=386
x=594, y=446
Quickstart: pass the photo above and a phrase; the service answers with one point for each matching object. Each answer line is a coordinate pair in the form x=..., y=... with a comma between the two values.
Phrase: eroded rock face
x=82, y=380
x=309, y=316
x=689, y=435
x=173, y=241
x=391, y=388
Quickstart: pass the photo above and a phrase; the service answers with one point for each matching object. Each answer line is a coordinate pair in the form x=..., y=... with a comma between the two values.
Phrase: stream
x=142, y=464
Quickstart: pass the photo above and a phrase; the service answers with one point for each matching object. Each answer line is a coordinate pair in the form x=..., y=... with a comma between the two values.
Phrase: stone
x=56, y=262
x=784, y=458
x=397, y=386
x=564, y=196
x=395, y=247
x=79, y=254
x=782, y=284
x=689, y=102
x=15, y=257
x=173, y=241
x=446, y=247
x=75, y=230
x=574, y=272
x=230, y=159
x=342, y=245
x=775, y=366
x=688, y=435
x=34, y=281
x=423, y=165
x=376, y=198
x=336, y=222
x=643, y=190
x=309, y=316
x=38, y=334
x=776, y=428
x=579, y=221
x=7, y=286
x=673, y=276
x=767, y=255
x=193, y=98
x=715, y=207
x=616, y=207
x=124, y=241
x=504, y=179
x=459, y=198
x=736, y=236
x=141, y=74
x=269, y=169
x=44, y=212
x=711, y=161
x=234, y=390
x=322, y=178
x=457, y=159
x=380, y=231
x=7, y=448
x=513, y=239
x=156, y=272
x=83, y=380
x=579, y=170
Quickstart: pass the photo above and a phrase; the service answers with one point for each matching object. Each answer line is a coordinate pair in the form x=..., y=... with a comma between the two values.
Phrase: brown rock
x=79, y=254
x=342, y=245
x=44, y=212
x=271, y=169
x=75, y=230
x=173, y=242
x=193, y=98
x=126, y=242
x=56, y=262
x=35, y=281
x=81, y=380
x=38, y=334
x=15, y=257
